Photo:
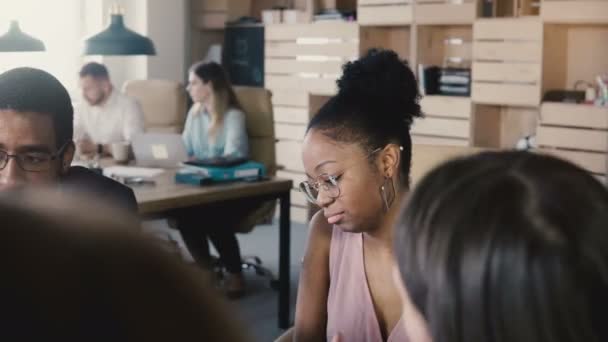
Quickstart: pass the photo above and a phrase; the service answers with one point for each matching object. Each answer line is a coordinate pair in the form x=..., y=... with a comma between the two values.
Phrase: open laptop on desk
x=166, y=150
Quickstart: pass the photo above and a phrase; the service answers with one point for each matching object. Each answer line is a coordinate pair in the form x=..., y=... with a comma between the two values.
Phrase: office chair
x=257, y=105
x=163, y=103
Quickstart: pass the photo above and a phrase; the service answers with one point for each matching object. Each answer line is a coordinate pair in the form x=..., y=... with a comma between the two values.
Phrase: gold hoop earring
x=387, y=194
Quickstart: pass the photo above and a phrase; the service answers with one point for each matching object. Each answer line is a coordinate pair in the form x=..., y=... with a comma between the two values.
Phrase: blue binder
x=199, y=175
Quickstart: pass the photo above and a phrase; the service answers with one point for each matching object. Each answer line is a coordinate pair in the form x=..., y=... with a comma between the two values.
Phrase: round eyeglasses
x=31, y=161
x=327, y=183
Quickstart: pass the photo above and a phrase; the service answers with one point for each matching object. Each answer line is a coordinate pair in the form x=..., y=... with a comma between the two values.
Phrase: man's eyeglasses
x=31, y=161
x=325, y=182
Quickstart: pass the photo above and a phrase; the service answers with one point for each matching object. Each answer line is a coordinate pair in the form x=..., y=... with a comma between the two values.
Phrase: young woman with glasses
x=356, y=154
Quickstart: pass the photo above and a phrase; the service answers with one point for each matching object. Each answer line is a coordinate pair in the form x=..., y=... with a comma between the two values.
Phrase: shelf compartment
x=384, y=12
x=433, y=12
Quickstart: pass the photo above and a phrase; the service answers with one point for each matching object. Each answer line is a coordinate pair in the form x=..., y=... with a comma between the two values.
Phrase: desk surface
x=166, y=194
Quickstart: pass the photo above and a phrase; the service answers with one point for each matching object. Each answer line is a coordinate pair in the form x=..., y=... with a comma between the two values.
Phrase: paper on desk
x=131, y=171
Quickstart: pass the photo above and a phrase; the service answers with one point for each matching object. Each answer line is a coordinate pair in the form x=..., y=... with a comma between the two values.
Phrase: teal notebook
x=200, y=175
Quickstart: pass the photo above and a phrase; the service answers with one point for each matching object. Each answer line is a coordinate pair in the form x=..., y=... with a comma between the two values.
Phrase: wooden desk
x=166, y=195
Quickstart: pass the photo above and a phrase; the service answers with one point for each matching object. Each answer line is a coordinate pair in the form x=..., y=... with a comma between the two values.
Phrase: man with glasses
x=36, y=146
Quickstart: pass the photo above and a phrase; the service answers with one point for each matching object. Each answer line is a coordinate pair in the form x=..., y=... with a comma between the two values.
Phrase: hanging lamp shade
x=117, y=39
x=16, y=41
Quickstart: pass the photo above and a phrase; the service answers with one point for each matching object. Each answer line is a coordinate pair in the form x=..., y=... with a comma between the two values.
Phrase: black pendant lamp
x=117, y=39
x=16, y=41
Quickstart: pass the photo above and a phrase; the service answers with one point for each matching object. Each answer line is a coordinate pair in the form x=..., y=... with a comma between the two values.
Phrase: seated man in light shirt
x=105, y=116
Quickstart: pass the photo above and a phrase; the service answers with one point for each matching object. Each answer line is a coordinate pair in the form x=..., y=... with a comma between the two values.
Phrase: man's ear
x=67, y=157
x=390, y=158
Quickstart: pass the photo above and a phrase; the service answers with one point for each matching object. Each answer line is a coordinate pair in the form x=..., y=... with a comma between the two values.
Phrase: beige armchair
x=257, y=105
x=163, y=103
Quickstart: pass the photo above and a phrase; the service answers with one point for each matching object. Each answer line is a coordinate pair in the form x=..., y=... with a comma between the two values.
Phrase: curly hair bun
x=383, y=81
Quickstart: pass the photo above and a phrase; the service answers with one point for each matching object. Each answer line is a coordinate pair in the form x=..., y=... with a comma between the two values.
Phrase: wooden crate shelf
x=507, y=61
x=578, y=133
x=441, y=12
x=447, y=121
x=384, y=12
x=574, y=11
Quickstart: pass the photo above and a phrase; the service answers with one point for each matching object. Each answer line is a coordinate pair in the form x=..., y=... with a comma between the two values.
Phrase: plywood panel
x=292, y=115
x=508, y=29
x=314, y=85
x=290, y=66
x=396, y=37
x=443, y=141
x=508, y=51
x=322, y=30
x=574, y=11
x=516, y=123
x=432, y=46
x=590, y=161
x=506, y=94
x=289, y=155
x=580, y=139
x=507, y=72
x=346, y=50
x=290, y=98
x=382, y=2
x=446, y=106
x=441, y=127
x=573, y=115
x=445, y=13
x=289, y=131
x=385, y=15
x=587, y=53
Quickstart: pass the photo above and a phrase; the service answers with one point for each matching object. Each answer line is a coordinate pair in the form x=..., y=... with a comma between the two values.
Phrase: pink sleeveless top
x=350, y=309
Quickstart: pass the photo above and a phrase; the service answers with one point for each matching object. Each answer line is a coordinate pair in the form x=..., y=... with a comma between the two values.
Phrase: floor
x=258, y=309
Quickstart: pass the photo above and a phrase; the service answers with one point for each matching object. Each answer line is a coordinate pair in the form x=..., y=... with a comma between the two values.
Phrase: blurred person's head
x=95, y=83
x=36, y=128
x=73, y=272
x=208, y=84
x=505, y=246
x=357, y=148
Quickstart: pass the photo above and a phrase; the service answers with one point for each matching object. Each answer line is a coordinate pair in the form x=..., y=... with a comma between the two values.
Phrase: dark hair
x=507, y=246
x=34, y=90
x=222, y=87
x=93, y=277
x=376, y=103
x=95, y=70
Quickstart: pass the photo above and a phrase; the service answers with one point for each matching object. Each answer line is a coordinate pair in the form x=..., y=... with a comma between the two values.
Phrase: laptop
x=166, y=150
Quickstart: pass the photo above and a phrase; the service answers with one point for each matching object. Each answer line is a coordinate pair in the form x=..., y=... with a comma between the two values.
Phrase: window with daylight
x=59, y=24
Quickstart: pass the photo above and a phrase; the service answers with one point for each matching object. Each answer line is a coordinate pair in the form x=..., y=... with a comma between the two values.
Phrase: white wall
x=167, y=26
x=165, y=22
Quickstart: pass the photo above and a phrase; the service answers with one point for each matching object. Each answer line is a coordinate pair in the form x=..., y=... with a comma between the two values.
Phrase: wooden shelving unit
x=578, y=133
x=445, y=12
x=527, y=48
x=384, y=12
x=507, y=61
x=574, y=11
x=302, y=64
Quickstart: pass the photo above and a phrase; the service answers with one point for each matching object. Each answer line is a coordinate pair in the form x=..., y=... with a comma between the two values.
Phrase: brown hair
x=224, y=96
x=71, y=277
x=507, y=246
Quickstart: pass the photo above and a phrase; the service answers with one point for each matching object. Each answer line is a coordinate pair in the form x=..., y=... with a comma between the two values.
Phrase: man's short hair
x=95, y=70
x=35, y=90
